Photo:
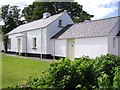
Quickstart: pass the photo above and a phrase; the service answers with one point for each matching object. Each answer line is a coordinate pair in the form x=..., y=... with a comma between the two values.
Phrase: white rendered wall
x=92, y=47
x=60, y=48
x=36, y=34
x=113, y=46
x=53, y=28
x=28, y=47
x=13, y=43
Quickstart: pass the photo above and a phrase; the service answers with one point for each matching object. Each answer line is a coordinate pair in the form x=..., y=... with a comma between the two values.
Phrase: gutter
x=26, y=43
x=41, y=43
x=54, y=49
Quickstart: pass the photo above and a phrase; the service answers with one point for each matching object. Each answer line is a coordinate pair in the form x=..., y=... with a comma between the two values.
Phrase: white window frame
x=60, y=22
x=114, y=42
x=34, y=42
x=9, y=43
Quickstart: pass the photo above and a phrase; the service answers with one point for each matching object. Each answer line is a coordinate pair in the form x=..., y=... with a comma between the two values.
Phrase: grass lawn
x=15, y=70
x=0, y=71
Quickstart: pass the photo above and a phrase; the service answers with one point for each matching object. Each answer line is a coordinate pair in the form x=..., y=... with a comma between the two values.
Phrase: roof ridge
x=61, y=31
x=53, y=17
x=91, y=29
x=43, y=18
x=106, y=18
x=98, y=19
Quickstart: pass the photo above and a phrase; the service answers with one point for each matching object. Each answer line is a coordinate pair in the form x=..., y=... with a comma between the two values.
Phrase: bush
x=116, y=80
x=82, y=73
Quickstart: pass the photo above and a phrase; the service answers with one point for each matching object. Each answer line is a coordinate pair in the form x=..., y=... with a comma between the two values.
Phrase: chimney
x=46, y=15
x=87, y=20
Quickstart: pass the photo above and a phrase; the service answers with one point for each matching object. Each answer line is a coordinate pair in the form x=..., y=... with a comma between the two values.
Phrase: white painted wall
x=28, y=47
x=60, y=48
x=92, y=47
x=36, y=33
x=53, y=28
x=13, y=43
x=113, y=49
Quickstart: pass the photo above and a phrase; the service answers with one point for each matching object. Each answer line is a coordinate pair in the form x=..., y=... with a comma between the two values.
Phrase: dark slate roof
x=94, y=28
x=118, y=34
x=62, y=31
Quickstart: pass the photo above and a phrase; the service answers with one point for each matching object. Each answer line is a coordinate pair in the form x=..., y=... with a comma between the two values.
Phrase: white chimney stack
x=46, y=15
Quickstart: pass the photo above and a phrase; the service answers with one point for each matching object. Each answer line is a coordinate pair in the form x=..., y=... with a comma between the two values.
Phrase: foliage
x=5, y=41
x=83, y=73
x=103, y=80
x=12, y=18
x=36, y=10
x=116, y=80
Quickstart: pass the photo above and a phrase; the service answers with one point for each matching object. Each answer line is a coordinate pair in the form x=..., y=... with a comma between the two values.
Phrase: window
x=9, y=43
x=60, y=22
x=34, y=43
x=114, y=41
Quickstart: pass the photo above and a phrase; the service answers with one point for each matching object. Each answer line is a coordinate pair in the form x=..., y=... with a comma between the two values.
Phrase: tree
x=35, y=11
x=12, y=18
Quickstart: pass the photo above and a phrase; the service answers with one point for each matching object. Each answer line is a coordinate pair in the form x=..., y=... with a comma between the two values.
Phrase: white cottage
x=58, y=36
x=91, y=38
x=34, y=38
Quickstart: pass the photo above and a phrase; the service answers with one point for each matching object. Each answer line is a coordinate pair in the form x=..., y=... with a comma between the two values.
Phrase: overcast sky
x=98, y=8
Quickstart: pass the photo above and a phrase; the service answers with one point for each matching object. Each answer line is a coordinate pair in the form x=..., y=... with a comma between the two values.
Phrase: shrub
x=116, y=80
x=82, y=73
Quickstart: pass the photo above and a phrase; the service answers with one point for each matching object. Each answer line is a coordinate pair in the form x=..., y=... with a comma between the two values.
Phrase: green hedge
x=83, y=73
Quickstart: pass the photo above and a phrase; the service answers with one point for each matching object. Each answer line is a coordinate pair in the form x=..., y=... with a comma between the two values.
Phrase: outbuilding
x=90, y=38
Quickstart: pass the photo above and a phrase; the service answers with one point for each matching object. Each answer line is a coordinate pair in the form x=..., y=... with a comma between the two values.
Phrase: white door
x=70, y=48
x=19, y=45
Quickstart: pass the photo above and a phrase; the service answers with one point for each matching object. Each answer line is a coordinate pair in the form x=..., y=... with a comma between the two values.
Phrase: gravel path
x=32, y=58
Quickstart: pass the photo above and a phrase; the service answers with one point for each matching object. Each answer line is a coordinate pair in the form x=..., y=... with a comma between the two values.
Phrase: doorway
x=70, y=48
x=19, y=45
